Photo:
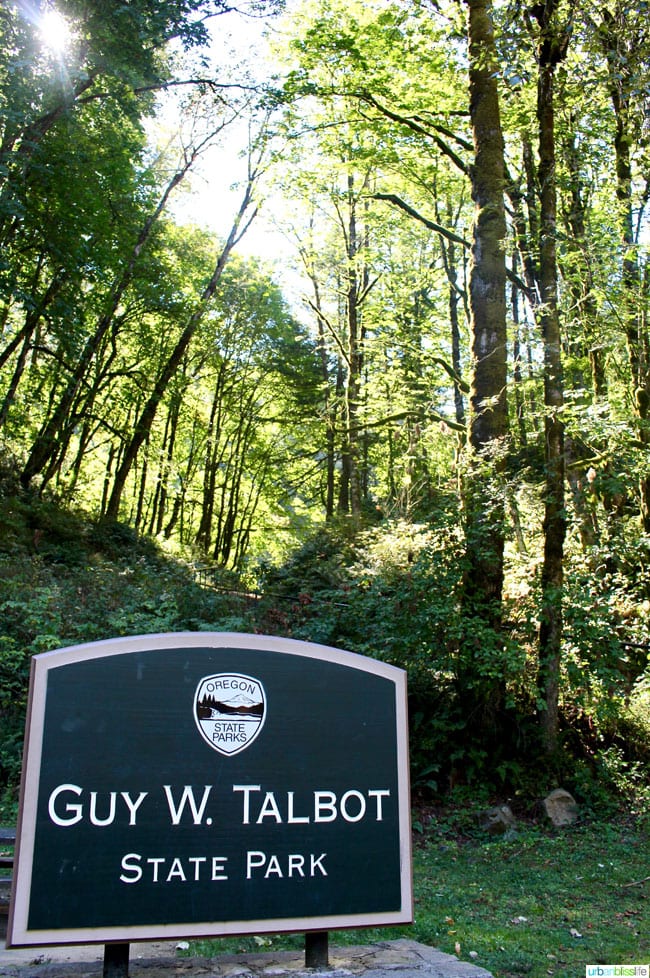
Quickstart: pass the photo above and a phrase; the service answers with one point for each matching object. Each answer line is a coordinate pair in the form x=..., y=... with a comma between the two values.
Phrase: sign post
x=316, y=949
x=207, y=784
x=116, y=961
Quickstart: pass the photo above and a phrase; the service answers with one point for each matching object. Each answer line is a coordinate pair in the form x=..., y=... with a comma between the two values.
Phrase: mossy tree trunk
x=488, y=416
x=624, y=42
x=551, y=49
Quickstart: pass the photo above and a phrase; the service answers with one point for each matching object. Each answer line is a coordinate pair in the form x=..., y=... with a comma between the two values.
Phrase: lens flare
x=54, y=31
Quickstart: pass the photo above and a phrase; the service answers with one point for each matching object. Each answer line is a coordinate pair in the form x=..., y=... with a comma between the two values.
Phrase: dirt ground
x=390, y=959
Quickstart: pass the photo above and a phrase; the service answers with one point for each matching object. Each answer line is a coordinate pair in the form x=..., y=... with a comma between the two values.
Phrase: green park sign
x=198, y=784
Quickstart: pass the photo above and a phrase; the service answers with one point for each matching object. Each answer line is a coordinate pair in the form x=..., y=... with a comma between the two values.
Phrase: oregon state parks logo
x=229, y=710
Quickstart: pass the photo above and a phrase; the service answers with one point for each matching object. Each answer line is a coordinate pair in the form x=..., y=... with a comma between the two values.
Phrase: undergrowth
x=390, y=591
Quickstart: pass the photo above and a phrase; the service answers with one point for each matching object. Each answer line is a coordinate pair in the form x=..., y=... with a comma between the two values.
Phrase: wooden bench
x=7, y=842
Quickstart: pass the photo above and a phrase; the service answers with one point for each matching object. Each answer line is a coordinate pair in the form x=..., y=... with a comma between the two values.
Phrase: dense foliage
x=440, y=455
x=390, y=591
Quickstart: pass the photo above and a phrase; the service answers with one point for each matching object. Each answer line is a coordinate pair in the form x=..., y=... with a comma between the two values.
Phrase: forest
x=421, y=432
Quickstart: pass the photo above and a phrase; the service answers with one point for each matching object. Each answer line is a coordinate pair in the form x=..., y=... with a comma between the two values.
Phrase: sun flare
x=55, y=31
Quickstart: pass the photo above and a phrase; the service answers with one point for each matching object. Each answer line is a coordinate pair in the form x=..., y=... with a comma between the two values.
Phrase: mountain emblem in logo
x=229, y=710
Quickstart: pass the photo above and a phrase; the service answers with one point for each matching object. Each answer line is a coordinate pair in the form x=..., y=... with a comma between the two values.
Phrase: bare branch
x=432, y=225
x=414, y=123
x=325, y=321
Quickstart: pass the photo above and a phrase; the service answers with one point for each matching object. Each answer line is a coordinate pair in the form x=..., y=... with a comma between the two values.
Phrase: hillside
x=65, y=579
x=388, y=591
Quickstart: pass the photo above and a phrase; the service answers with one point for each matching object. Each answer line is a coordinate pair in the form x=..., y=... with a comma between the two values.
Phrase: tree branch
x=432, y=225
x=414, y=123
x=447, y=367
x=406, y=416
x=323, y=318
x=210, y=83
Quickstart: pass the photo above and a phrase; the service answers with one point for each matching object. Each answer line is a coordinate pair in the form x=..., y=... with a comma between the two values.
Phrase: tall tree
x=625, y=42
x=552, y=43
x=245, y=214
x=47, y=444
x=488, y=414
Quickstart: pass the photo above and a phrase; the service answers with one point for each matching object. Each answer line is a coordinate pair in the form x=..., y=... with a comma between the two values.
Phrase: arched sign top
x=202, y=784
x=214, y=640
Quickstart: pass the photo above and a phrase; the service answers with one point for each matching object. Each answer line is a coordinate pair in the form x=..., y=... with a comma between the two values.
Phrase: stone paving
x=390, y=959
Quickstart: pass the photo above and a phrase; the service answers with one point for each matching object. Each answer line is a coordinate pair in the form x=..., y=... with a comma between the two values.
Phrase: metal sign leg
x=316, y=949
x=116, y=961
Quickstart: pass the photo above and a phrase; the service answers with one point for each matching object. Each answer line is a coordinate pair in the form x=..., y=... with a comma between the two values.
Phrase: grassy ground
x=538, y=904
x=543, y=903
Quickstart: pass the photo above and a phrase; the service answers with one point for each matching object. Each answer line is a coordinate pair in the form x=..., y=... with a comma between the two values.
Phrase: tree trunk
x=354, y=356
x=24, y=336
x=517, y=373
x=331, y=398
x=580, y=273
x=488, y=417
x=449, y=259
x=488, y=420
x=622, y=84
x=144, y=422
x=45, y=444
x=551, y=50
x=210, y=467
x=541, y=278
